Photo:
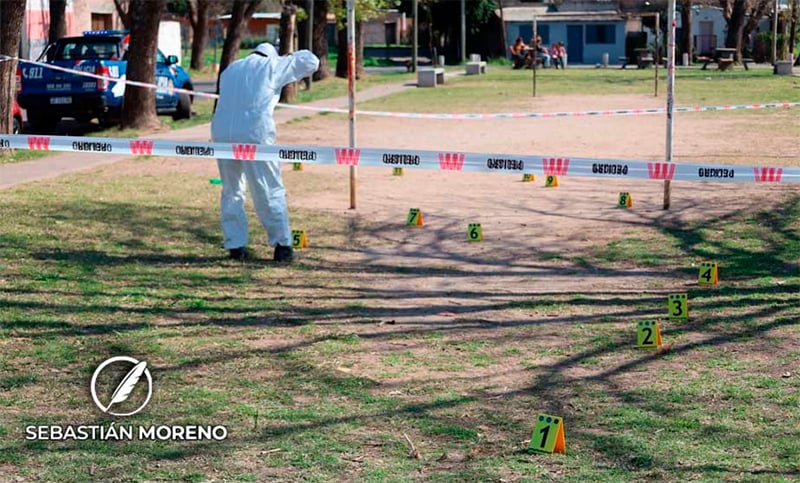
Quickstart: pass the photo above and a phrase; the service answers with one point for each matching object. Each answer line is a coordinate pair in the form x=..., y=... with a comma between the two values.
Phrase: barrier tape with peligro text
x=436, y=160
x=444, y=116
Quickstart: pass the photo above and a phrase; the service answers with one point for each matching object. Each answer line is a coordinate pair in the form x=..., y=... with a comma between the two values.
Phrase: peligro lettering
x=406, y=159
x=92, y=146
x=194, y=150
x=715, y=173
x=494, y=163
x=297, y=154
x=617, y=169
x=5, y=143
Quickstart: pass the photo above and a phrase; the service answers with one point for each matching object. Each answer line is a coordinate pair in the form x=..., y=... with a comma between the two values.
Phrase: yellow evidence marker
x=648, y=334
x=551, y=181
x=709, y=274
x=548, y=435
x=528, y=178
x=474, y=232
x=625, y=200
x=299, y=239
x=414, y=217
x=297, y=166
x=678, y=306
x=397, y=171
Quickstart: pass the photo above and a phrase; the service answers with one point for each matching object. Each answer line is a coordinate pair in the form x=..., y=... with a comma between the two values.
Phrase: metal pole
x=533, y=46
x=310, y=36
x=670, y=94
x=351, y=90
x=657, y=53
x=415, y=35
x=775, y=35
x=463, y=30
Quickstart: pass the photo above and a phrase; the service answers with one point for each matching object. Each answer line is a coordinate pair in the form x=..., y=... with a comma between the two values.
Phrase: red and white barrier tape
x=437, y=160
x=460, y=117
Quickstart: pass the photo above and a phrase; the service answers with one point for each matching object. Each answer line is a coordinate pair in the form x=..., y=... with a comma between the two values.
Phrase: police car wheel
x=184, y=107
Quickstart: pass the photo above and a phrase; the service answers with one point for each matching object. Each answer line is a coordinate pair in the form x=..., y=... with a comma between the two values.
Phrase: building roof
x=257, y=15
x=525, y=14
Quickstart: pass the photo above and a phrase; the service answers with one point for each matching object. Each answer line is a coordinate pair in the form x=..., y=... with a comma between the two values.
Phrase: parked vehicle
x=16, y=113
x=49, y=95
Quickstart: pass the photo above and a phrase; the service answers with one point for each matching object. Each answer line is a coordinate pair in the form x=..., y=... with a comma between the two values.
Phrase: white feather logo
x=125, y=387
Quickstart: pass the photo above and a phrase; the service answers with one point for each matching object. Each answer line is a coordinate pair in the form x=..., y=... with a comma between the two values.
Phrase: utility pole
x=415, y=35
x=310, y=36
x=463, y=30
x=775, y=34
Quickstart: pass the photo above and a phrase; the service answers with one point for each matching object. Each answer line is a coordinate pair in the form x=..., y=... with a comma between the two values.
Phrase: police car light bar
x=89, y=33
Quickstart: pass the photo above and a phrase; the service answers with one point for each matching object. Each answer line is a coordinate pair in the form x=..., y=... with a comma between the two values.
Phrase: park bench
x=430, y=77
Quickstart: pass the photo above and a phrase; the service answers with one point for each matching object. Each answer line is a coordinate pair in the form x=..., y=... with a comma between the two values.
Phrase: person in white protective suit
x=249, y=89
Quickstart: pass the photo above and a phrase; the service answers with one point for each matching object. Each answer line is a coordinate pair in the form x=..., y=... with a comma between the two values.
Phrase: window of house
x=600, y=34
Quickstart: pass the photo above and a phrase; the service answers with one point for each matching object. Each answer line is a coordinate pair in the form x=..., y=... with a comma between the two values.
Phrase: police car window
x=88, y=50
x=160, y=57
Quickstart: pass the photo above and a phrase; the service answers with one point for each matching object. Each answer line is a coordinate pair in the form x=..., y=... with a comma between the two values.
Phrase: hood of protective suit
x=249, y=90
x=267, y=49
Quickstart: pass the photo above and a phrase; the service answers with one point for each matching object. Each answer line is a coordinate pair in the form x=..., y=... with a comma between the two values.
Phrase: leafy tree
x=11, y=14
x=138, y=106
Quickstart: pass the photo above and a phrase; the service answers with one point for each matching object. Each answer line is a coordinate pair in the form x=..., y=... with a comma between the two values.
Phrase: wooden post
x=670, y=93
x=351, y=90
x=533, y=63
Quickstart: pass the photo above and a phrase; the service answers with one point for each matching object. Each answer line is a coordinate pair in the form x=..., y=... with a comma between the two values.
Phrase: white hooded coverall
x=249, y=89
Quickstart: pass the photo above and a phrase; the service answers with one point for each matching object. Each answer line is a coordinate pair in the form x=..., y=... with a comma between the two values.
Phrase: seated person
x=518, y=52
x=541, y=51
x=555, y=58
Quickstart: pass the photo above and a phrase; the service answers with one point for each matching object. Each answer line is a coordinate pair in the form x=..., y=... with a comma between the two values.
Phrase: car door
x=166, y=98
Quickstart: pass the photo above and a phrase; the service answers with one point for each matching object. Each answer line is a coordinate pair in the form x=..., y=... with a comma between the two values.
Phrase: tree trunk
x=287, y=33
x=733, y=38
x=198, y=12
x=341, y=60
x=124, y=11
x=58, y=20
x=240, y=16
x=11, y=14
x=139, y=104
x=687, y=44
x=795, y=15
x=341, y=49
x=321, y=39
